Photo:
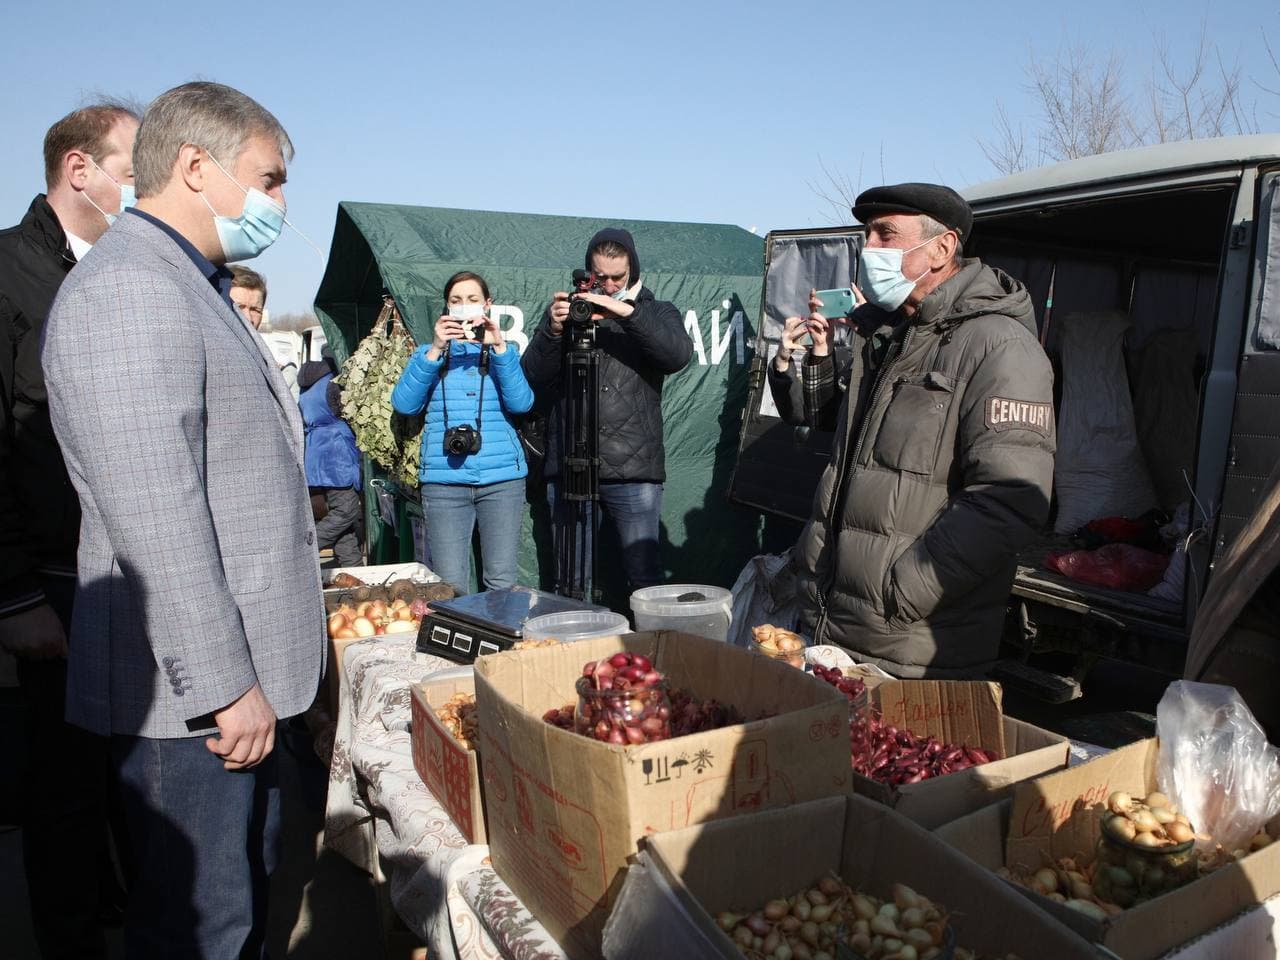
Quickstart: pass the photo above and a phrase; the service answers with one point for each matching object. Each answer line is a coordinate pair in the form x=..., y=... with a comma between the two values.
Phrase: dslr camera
x=461, y=441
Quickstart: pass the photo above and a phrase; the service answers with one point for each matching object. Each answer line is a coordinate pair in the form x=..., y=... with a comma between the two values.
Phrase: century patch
x=1006, y=414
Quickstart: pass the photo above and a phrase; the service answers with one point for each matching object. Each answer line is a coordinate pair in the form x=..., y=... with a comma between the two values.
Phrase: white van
x=1182, y=241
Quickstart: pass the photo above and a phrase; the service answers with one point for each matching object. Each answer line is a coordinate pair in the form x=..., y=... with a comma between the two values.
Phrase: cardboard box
x=565, y=812
x=1058, y=816
x=380, y=574
x=450, y=771
x=741, y=863
x=960, y=712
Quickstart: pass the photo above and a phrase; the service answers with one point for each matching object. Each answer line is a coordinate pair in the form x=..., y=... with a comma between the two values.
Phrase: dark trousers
x=65, y=794
x=339, y=528
x=205, y=841
x=634, y=509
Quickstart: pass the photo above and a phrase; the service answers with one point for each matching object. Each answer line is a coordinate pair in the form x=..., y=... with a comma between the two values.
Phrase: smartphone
x=836, y=303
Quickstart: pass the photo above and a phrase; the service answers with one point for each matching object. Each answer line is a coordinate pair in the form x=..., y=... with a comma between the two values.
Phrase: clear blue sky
x=702, y=111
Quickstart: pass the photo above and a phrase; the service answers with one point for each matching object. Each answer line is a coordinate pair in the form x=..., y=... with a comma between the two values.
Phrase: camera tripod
x=580, y=470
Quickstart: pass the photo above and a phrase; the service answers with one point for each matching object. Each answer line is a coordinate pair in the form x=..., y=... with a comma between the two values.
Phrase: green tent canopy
x=712, y=272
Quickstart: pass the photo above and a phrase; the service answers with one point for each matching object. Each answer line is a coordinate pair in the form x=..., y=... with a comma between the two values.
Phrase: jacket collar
x=43, y=230
x=164, y=246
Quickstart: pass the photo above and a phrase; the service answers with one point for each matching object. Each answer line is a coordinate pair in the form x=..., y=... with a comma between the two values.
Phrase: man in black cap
x=639, y=341
x=943, y=459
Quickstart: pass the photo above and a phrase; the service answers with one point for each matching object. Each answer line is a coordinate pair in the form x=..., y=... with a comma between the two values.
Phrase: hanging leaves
x=391, y=440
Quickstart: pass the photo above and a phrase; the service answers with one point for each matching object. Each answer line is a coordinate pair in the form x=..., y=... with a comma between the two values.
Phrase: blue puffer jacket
x=330, y=457
x=506, y=393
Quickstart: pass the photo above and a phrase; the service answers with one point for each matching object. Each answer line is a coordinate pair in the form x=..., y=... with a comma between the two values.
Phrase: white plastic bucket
x=659, y=608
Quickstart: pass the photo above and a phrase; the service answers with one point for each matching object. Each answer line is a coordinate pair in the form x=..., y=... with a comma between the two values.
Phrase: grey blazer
x=198, y=570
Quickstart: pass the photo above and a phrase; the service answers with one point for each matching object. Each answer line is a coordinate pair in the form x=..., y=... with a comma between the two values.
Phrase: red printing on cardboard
x=922, y=712
x=1041, y=817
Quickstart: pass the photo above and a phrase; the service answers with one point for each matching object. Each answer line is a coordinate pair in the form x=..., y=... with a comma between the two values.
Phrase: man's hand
x=246, y=731
x=619, y=308
x=559, y=313
x=34, y=634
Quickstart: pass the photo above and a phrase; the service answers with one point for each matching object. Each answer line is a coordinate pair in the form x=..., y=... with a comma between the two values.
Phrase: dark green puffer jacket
x=945, y=479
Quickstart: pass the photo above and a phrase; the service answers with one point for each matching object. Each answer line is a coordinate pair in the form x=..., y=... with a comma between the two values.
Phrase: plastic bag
x=1215, y=763
x=1118, y=566
x=765, y=592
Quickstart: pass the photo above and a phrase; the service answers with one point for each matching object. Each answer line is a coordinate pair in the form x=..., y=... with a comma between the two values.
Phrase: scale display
x=470, y=626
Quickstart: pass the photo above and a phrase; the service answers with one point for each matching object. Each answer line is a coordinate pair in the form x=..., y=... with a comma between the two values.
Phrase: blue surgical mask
x=257, y=227
x=466, y=311
x=621, y=292
x=127, y=197
x=883, y=283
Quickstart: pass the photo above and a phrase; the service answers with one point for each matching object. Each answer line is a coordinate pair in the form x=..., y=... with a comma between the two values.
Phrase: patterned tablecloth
x=442, y=887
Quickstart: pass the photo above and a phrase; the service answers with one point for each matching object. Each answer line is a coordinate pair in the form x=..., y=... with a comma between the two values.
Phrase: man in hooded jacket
x=943, y=459
x=640, y=340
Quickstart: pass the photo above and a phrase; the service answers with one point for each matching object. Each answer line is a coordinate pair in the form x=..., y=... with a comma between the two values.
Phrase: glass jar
x=783, y=645
x=1128, y=873
x=623, y=717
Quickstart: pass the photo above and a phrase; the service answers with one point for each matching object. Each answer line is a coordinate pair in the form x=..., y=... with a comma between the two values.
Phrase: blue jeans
x=205, y=840
x=634, y=509
x=452, y=512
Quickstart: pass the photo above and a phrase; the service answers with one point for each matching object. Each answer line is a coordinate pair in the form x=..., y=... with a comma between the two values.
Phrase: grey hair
x=215, y=117
x=930, y=228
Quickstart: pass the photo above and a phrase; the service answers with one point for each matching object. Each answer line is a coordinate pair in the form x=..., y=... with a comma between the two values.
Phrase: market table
x=441, y=886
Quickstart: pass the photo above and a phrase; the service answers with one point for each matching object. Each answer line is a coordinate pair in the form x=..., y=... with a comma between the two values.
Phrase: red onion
x=897, y=757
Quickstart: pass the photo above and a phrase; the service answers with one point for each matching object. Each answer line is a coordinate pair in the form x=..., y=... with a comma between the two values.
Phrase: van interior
x=1147, y=264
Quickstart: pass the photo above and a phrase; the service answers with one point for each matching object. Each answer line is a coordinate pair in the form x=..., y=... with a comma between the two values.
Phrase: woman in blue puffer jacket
x=470, y=383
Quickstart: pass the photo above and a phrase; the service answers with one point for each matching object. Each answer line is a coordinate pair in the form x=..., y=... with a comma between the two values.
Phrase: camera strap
x=484, y=373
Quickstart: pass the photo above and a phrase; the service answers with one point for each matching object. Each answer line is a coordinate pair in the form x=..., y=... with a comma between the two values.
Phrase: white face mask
x=466, y=311
x=882, y=280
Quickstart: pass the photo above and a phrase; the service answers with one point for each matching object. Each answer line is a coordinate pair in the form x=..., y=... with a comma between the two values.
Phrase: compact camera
x=461, y=441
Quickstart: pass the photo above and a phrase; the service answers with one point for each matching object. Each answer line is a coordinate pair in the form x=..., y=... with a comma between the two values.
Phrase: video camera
x=580, y=311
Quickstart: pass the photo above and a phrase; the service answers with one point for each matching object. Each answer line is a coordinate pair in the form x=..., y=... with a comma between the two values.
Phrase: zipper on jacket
x=848, y=463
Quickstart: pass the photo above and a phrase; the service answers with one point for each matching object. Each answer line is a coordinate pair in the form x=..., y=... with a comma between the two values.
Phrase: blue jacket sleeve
x=416, y=383
x=513, y=388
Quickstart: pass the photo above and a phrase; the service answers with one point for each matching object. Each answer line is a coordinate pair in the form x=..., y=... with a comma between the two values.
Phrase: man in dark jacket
x=640, y=340
x=89, y=174
x=943, y=459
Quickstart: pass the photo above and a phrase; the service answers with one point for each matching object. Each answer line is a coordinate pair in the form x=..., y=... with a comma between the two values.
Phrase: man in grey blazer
x=198, y=619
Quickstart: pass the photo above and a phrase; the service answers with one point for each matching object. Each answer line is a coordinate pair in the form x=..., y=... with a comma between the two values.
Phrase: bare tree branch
x=836, y=190
x=1008, y=151
x=1275, y=64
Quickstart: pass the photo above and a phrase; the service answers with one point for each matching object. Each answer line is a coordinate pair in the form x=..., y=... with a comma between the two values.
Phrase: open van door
x=1253, y=448
x=779, y=464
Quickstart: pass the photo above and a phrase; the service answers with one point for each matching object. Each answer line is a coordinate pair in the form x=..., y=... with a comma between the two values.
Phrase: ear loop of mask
x=305, y=238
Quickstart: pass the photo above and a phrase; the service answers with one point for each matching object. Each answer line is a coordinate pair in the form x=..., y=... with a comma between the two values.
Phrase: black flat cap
x=942, y=203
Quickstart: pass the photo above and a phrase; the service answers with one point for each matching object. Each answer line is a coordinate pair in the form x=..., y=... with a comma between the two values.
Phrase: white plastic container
x=657, y=608
x=576, y=625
